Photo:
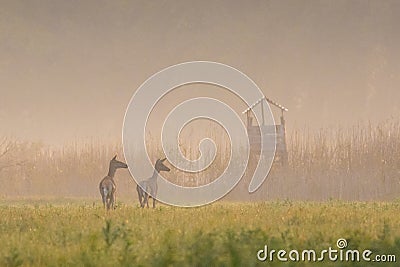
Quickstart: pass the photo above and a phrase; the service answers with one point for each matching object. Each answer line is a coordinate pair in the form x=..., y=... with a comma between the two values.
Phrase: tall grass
x=358, y=163
x=224, y=234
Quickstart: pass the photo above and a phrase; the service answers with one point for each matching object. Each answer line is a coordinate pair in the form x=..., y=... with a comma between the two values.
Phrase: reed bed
x=357, y=163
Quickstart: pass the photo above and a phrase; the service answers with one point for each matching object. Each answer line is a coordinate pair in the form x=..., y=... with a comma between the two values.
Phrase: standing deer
x=148, y=188
x=107, y=185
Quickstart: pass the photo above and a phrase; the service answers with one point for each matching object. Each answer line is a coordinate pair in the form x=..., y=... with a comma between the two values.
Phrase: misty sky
x=69, y=68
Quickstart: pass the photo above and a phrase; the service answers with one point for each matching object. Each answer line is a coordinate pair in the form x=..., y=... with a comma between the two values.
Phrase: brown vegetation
x=360, y=163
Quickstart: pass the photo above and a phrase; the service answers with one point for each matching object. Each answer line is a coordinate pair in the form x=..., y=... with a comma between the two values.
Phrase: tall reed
x=357, y=163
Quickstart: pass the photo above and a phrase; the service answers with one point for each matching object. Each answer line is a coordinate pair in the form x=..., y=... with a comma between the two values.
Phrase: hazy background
x=69, y=68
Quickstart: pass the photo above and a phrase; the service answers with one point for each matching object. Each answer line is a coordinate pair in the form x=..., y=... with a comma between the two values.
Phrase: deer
x=148, y=188
x=107, y=186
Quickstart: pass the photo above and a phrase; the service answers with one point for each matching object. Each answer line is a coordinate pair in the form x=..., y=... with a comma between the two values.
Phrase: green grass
x=79, y=233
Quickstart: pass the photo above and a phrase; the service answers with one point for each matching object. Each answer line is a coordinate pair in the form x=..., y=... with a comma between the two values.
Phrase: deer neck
x=111, y=172
x=155, y=175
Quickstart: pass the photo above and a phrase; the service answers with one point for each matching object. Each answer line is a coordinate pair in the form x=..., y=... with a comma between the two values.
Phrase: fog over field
x=68, y=69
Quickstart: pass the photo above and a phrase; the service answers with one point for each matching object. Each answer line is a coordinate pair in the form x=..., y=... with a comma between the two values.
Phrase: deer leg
x=140, y=195
x=104, y=200
x=114, y=201
x=154, y=194
x=142, y=200
x=108, y=202
x=146, y=199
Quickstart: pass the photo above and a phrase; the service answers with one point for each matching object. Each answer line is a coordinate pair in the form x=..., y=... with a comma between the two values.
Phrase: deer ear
x=115, y=156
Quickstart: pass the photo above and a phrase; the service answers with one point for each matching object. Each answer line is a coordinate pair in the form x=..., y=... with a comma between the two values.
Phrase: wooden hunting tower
x=254, y=132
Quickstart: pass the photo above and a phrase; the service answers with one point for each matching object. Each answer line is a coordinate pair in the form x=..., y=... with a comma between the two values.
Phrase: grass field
x=65, y=232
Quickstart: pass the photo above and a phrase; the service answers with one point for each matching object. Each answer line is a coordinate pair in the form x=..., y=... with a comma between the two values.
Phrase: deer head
x=116, y=164
x=160, y=165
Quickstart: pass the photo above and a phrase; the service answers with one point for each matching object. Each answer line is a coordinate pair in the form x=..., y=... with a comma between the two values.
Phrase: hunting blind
x=254, y=132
